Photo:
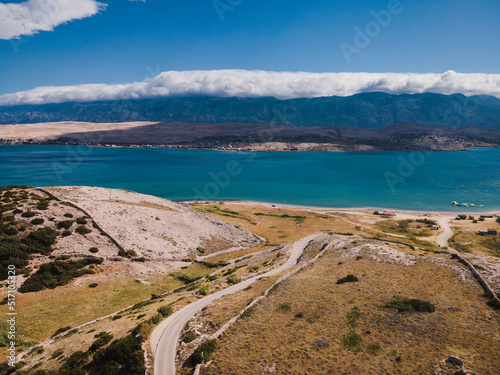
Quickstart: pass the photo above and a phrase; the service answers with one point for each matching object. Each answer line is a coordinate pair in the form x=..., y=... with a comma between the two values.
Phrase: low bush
x=103, y=338
x=351, y=340
x=11, y=231
x=284, y=308
x=37, y=221
x=233, y=279
x=93, y=285
x=82, y=229
x=68, y=215
x=204, y=290
x=94, y=250
x=61, y=330
x=188, y=337
x=123, y=356
x=81, y=221
x=57, y=353
x=28, y=213
x=166, y=310
x=57, y=273
x=66, y=233
x=353, y=316
x=404, y=304
x=186, y=278
x=65, y=224
x=42, y=205
x=202, y=353
x=373, y=348
x=347, y=279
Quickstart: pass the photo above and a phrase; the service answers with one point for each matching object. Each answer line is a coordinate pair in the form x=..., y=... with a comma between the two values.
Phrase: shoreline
x=336, y=149
x=346, y=209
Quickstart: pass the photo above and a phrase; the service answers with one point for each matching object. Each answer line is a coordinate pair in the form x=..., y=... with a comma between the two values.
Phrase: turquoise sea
x=423, y=181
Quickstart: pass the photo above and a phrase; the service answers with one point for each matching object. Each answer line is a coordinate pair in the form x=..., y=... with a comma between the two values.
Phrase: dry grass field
x=312, y=325
x=466, y=238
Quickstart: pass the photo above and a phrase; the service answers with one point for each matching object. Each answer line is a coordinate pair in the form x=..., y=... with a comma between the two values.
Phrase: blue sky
x=129, y=41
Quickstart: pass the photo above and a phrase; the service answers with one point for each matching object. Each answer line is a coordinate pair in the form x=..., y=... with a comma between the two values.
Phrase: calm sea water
x=401, y=180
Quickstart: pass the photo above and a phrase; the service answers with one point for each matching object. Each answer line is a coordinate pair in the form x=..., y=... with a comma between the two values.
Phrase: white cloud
x=283, y=85
x=32, y=16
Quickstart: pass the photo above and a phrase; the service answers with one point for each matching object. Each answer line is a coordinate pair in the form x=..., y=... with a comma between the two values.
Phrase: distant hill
x=367, y=110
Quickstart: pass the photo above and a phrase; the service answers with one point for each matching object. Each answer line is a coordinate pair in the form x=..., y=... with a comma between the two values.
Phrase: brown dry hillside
x=312, y=325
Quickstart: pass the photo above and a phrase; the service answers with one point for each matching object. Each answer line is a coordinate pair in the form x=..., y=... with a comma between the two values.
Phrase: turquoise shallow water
x=400, y=180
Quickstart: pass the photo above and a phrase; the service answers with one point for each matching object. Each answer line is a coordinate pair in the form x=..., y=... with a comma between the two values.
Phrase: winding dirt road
x=164, y=337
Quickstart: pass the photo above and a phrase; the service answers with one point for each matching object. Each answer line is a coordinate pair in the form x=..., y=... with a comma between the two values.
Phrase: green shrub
x=353, y=316
x=82, y=229
x=123, y=253
x=11, y=231
x=66, y=233
x=284, y=308
x=204, y=290
x=373, y=348
x=351, y=340
x=103, y=338
x=93, y=285
x=28, y=213
x=68, y=215
x=347, y=279
x=404, y=304
x=202, y=353
x=57, y=353
x=201, y=250
x=188, y=337
x=42, y=205
x=233, y=279
x=166, y=310
x=37, y=221
x=65, y=224
x=186, y=278
x=94, y=250
x=123, y=356
x=40, y=241
x=81, y=220
x=57, y=273
x=131, y=253
x=61, y=330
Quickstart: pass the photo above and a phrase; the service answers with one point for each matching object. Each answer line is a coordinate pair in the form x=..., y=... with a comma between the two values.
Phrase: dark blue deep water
x=402, y=180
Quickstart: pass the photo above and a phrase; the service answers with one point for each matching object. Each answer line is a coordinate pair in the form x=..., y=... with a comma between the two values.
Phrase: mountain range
x=366, y=110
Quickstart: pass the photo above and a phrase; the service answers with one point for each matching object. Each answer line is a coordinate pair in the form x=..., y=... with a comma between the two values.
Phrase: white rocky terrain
x=155, y=228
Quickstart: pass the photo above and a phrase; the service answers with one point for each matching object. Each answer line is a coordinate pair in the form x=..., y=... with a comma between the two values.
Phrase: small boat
x=455, y=203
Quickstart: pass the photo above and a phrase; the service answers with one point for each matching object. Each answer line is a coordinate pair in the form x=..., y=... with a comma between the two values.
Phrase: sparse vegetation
x=57, y=273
